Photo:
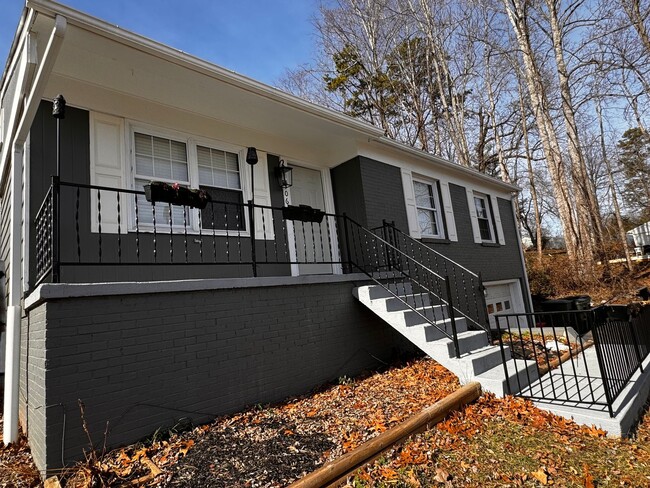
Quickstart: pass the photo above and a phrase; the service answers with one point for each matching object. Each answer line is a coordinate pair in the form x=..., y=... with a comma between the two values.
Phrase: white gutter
x=12, y=357
x=430, y=158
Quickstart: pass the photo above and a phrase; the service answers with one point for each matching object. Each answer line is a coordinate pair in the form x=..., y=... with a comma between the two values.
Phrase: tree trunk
x=517, y=14
x=612, y=187
x=531, y=175
x=589, y=219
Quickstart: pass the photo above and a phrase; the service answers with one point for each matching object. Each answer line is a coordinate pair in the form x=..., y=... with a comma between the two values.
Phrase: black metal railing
x=550, y=360
x=103, y=226
x=466, y=287
x=425, y=293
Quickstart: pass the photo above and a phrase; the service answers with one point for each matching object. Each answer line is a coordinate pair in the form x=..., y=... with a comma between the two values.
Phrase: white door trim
x=328, y=199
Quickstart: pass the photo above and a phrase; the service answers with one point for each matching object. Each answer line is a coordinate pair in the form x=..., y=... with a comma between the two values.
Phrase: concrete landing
x=582, y=393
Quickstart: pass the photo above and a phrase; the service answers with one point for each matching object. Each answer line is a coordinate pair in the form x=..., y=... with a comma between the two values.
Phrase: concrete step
x=414, y=300
x=481, y=360
x=520, y=373
x=467, y=341
x=433, y=333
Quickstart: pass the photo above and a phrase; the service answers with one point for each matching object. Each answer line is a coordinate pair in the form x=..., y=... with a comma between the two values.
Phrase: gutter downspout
x=14, y=313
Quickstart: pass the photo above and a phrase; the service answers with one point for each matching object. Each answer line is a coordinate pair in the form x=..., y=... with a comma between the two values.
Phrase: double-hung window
x=160, y=159
x=220, y=177
x=193, y=165
x=484, y=217
x=428, y=209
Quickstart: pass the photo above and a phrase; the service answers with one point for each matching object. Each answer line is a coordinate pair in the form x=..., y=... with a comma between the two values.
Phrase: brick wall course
x=145, y=362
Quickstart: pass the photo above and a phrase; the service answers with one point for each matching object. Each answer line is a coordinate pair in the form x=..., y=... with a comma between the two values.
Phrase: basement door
x=311, y=240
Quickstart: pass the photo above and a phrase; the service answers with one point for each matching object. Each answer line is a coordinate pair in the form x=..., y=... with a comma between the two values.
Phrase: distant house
x=150, y=309
x=641, y=238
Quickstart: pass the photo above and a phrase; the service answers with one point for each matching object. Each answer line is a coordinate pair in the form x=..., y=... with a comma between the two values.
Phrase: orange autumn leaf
x=541, y=476
x=388, y=474
x=589, y=479
x=186, y=446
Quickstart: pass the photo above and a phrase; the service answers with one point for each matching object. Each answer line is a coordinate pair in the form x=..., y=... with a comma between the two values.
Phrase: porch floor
x=574, y=397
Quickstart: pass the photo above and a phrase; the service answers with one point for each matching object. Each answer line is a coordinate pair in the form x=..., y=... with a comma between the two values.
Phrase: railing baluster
x=76, y=224
x=201, y=235
x=119, y=229
x=171, y=234
x=155, y=233
x=99, y=222
x=137, y=229
x=185, y=230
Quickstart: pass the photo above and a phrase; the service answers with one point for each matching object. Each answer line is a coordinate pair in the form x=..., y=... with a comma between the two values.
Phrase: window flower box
x=158, y=191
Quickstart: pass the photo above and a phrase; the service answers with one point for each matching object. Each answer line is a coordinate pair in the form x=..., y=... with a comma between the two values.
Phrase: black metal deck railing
x=81, y=225
x=466, y=287
x=551, y=361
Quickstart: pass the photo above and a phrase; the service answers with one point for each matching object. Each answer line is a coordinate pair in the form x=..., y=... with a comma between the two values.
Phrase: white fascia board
x=24, y=25
x=448, y=165
x=176, y=56
x=19, y=137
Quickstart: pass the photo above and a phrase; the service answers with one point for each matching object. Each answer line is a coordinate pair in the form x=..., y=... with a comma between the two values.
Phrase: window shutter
x=497, y=220
x=476, y=231
x=447, y=207
x=107, y=169
x=263, y=228
x=409, y=200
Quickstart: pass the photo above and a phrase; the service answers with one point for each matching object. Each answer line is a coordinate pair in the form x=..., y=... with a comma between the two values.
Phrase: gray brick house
x=153, y=312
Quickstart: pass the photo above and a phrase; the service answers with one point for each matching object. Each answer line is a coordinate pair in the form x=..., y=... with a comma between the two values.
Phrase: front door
x=311, y=239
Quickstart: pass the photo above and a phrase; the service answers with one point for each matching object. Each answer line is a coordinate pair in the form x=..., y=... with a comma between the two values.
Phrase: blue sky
x=257, y=38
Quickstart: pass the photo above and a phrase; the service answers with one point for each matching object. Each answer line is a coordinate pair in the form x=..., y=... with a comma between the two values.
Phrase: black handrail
x=466, y=286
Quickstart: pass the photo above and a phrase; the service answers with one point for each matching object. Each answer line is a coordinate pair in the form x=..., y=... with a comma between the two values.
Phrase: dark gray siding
x=75, y=167
x=146, y=361
x=494, y=262
x=5, y=236
x=369, y=191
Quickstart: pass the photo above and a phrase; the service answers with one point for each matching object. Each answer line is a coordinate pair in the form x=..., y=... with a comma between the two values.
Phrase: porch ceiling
x=210, y=92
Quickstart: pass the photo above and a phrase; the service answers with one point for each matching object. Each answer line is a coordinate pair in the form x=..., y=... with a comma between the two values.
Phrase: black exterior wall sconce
x=284, y=175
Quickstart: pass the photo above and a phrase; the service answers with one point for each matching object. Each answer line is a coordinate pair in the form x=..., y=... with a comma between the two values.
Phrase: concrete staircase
x=479, y=361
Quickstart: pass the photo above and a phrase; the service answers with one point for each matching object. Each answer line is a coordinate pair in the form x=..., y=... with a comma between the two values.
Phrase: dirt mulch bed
x=17, y=467
x=272, y=446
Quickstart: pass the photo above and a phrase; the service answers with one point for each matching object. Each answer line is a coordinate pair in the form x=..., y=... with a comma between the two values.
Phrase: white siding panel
x=409, y=198
x=107, y=169
x=449, y=211
x=472, y=215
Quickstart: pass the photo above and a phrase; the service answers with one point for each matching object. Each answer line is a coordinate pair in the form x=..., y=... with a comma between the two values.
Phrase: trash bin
x=582, y=321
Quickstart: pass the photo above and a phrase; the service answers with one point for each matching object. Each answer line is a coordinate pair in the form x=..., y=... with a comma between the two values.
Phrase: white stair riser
x=478, y=362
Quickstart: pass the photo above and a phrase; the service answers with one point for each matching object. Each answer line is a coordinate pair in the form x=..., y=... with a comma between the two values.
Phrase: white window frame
x=437, y=216
x=490, y=216
x=191, y=142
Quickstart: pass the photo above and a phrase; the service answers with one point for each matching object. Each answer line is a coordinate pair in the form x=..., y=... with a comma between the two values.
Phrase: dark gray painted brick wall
x=383, y=193
x=369, y=191
x=32, y=401
x=145, y=361
x=496, y=263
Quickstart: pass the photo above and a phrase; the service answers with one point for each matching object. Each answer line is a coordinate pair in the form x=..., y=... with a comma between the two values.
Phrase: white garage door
x=503, y=298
